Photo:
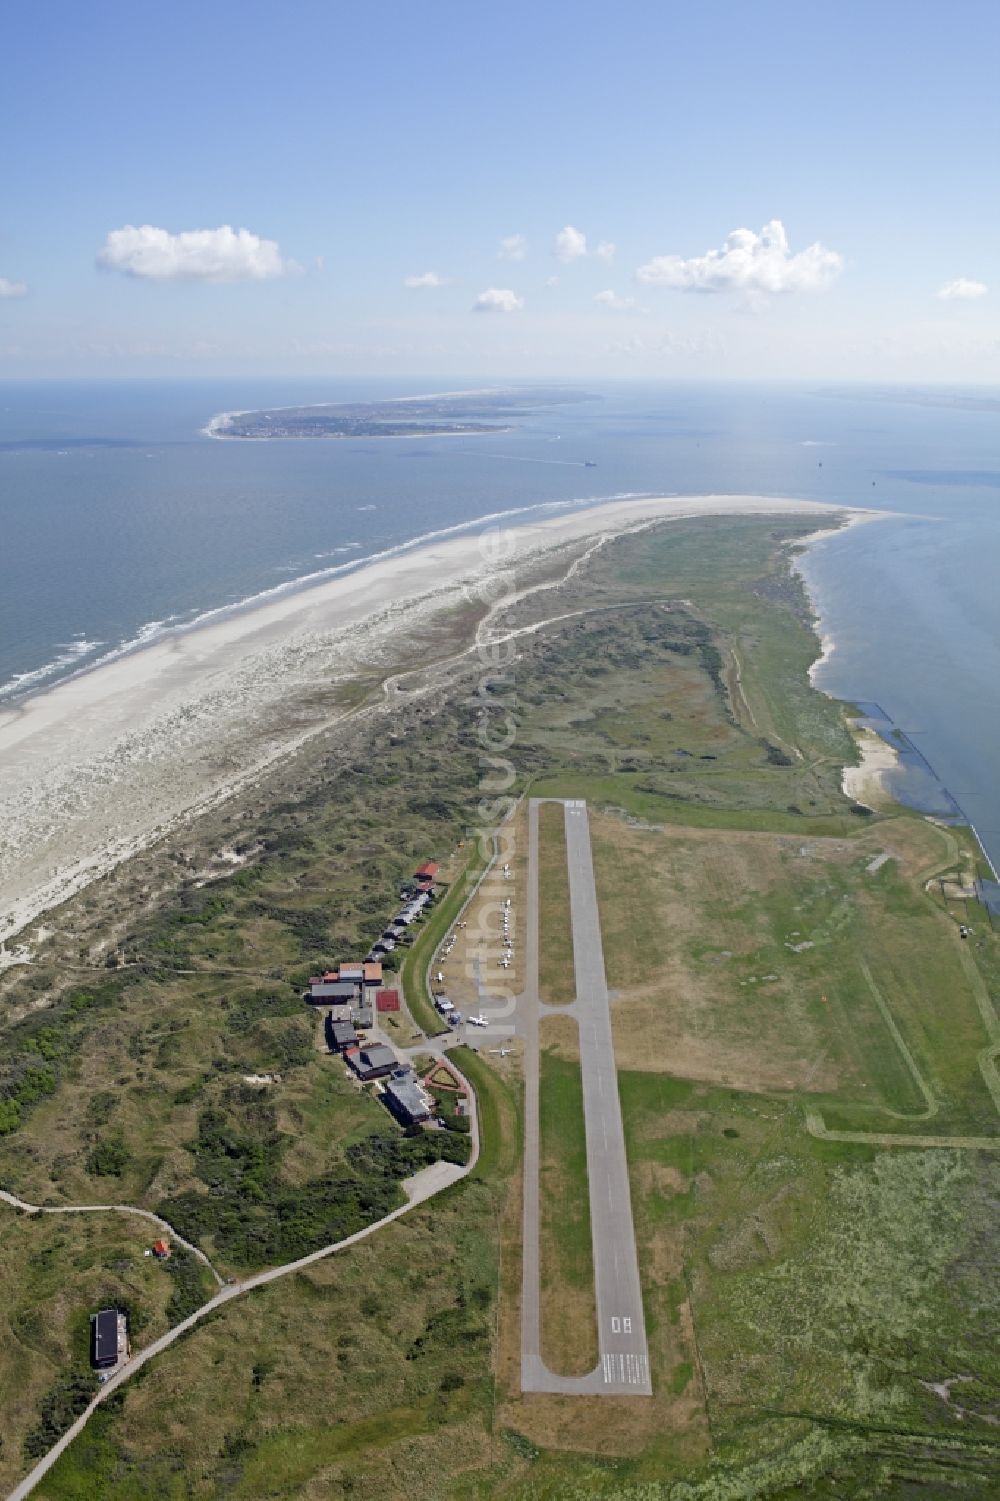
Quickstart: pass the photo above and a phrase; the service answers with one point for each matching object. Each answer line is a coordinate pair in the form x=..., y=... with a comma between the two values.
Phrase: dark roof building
x=407, y=1100
x=340, y=1035
x=107, y=1331
x=372, y=1063
x=328, y=992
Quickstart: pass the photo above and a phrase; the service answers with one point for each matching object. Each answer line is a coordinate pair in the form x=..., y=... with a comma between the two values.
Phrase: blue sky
x=362, y=149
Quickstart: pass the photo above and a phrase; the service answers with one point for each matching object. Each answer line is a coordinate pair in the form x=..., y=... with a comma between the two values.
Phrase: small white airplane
x=505, y=964
x=478, y=1021
x=502, y=1051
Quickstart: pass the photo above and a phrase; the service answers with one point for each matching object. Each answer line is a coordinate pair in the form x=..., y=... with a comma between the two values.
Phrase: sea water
x=120, y=520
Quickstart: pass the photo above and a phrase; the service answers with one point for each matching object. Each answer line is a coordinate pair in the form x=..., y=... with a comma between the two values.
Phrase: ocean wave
x=70, y=653
x=157, y=630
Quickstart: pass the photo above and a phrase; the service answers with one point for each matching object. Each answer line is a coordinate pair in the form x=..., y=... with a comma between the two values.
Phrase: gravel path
x=146, y=1214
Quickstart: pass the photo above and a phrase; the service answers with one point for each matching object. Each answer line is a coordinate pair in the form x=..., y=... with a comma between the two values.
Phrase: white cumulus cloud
x=212, y=255
x=498, y=300
x=570, y=244
x=962, y=290
x=425, y=279
x=605, y=251
x=512, y=248
x=747, y=262
x=12, y=288
x=611, y=299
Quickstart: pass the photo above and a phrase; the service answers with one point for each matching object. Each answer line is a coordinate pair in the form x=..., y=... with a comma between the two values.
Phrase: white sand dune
x=102, y=765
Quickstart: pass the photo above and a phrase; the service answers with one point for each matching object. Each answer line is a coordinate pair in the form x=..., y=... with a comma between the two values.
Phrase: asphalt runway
x=623, y=1368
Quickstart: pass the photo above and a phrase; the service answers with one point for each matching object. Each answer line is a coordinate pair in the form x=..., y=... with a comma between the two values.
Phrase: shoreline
x=869, y=779
x=215, y=426
x=105, y=763
x=867, y=783
x=155, y=632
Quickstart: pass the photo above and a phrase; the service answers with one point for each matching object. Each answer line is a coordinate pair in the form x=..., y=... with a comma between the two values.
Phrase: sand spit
x=105, y=764
x=867, y=782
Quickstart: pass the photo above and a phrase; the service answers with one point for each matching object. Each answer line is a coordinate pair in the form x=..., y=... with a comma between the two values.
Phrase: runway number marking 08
x=621, y=1325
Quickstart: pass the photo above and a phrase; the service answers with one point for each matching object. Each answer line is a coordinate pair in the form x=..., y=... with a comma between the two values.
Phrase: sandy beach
x=866, y=782
x=106, y=763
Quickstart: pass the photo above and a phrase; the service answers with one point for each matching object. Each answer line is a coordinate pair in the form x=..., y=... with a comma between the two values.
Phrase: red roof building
x=426, y=872
x=387, y=1000
x=161, y=1248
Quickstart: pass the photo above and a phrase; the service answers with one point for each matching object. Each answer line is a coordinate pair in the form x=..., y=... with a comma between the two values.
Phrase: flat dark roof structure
x=341, y=1035
x=373, y=1062
x=104, y=1339
x=407, y=1100
x=326, y=992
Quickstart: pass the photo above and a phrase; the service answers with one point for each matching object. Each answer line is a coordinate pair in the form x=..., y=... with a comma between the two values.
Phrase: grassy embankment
x=556, y=976
x=569, y=1320
x=430, y=933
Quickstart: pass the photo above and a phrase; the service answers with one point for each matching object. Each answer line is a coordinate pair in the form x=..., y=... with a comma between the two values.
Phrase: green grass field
x=556, y=975
x=569, y=1320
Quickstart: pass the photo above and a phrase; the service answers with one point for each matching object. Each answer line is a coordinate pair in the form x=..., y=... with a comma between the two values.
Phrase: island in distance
x=448, y=415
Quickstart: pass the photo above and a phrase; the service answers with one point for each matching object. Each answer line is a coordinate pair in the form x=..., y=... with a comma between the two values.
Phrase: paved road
x=623, y=1368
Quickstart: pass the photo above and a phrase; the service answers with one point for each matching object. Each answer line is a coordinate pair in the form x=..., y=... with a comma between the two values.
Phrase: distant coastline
x=446, y=414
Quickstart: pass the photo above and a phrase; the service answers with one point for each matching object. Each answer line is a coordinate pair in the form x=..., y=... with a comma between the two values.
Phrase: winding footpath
x=418, y=1189
x=146, y=1214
